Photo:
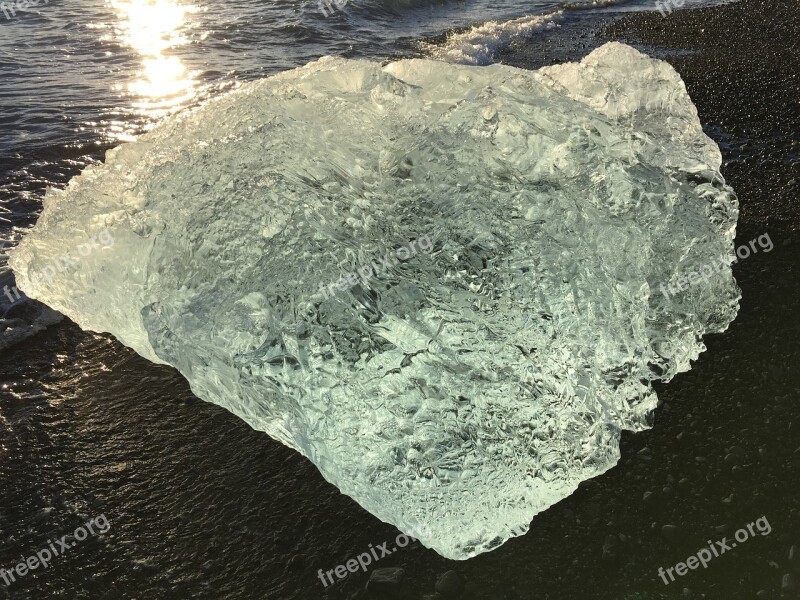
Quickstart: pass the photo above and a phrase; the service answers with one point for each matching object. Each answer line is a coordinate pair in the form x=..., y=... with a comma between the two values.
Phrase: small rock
x=610, y=544
x=385, y=580
x=609, y=554
x=593, y=510
x=470, y=589
x=450, y=584
x=670, y=532
x=296, y=563
x=730, y=459
x=787, y=584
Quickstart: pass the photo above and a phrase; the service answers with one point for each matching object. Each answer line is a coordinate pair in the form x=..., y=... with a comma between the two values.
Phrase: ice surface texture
x=462, y=390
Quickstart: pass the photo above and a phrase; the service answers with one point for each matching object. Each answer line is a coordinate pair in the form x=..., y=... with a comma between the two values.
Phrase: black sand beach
x=724, y=451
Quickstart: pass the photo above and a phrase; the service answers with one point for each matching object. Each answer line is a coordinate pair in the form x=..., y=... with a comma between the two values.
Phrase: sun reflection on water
x=153, y=28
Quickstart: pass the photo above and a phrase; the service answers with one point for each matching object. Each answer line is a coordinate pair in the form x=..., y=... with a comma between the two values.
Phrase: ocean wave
x=479, y=44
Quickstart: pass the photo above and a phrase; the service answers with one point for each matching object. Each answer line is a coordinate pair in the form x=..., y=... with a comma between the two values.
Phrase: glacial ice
x=465, y=388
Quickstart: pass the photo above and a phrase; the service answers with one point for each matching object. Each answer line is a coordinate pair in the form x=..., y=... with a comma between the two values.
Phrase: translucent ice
x=521, y=224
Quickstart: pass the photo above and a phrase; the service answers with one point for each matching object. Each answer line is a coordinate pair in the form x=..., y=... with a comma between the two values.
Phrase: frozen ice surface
x=466, y=388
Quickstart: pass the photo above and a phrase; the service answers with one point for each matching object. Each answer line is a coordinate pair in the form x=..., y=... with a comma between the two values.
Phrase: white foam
x=479, y=44
x=36, y=319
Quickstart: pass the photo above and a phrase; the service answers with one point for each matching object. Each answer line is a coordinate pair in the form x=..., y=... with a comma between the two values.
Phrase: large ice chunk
x=527, y=229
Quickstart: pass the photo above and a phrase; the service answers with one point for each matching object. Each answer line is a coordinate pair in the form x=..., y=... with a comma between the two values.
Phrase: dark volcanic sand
x=201, y=506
